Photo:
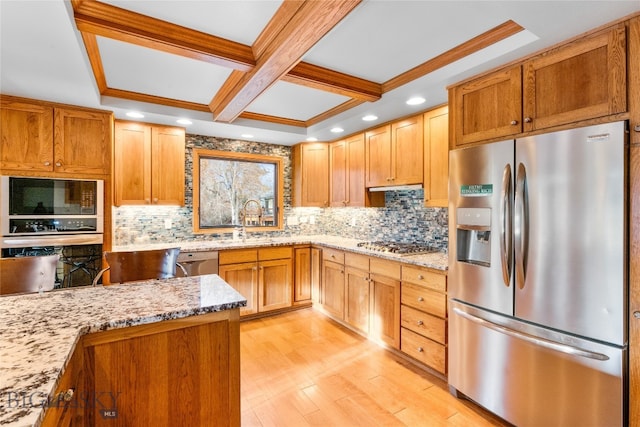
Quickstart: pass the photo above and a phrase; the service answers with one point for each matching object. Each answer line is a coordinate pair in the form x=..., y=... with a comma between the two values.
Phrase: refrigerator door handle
x=506, y=207
x=520, y=226
x=543, y=342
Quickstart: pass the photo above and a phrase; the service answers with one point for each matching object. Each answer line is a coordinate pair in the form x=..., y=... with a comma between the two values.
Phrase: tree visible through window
x=235, y=188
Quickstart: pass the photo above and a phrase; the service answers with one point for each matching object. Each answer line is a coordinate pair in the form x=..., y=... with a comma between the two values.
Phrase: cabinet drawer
x=422, y=276
x=275, y=253
x=334, y=255
x=424, y=299
x=356, y=260
x=385, y=268
x=237, y=256
x=424, y=324
x=424, y=350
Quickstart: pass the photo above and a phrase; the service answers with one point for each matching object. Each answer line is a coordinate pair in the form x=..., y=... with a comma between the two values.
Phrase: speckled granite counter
x=435, y=260
x=38, y=333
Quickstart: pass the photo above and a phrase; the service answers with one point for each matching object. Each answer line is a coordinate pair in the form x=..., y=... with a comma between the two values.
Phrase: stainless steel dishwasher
x=198, y=263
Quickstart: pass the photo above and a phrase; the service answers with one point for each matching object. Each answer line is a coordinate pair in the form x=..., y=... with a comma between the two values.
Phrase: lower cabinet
x=65, y=404
x=385, y=301
x=263, y=276
x=424, y=316
x=357, y=292
x=333, y=278
x=302, y=273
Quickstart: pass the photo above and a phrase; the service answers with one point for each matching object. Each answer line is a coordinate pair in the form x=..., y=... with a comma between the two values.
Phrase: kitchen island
x=148, y=325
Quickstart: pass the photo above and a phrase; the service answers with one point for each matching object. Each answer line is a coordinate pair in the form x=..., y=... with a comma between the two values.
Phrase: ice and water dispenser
x=473, y=236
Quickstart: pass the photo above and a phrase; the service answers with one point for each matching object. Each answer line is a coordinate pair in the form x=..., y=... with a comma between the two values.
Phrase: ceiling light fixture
x=416, y=100
x=370, y=118
x=135, y=115
x=184, y=121
x=337, y=130
x=312, y=139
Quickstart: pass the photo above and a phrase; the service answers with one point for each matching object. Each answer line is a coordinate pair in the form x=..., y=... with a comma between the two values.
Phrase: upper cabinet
x=436, y=157
x=394, y=154
x=149, y=164
x=54, y=140
x=311, y=175
x=584, y=79
x=634, y=80
x=347, y=175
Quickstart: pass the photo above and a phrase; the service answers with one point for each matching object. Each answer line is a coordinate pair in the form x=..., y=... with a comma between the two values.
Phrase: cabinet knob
x=636, y=128
x=58, y=164
x=254, y=268
x=514, y=122
x=420, y=299
x=636, y=314
x=155, y=200
x=420, y=349
x=47, y=163
x=333, y=256
x=147, y=201
x=420, y=323
x=65, y=396
x=527, y=120
x=420, y=277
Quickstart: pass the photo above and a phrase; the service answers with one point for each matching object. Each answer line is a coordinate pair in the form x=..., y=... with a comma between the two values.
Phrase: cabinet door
x=82, y=142
x=61, y=412
x=436, y=157
x=634, y=88
x=385, y=310
x=357, y=298
x=302, y=274
x=26, y=137
x=489, y=107
x=316, y=274
x=167, y=166
x=407, y=142
x=132, y=161
x=244, y=279
x=338, y=174
x=378, y=157
x=274, y=284
x=311, y=175
x=333, y=288
x=583, y=80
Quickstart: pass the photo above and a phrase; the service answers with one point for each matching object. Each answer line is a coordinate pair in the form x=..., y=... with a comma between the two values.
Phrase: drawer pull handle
x=420, y=349
x=65, y=396
x=420, y=322
x=420, y=299
x=420, y=277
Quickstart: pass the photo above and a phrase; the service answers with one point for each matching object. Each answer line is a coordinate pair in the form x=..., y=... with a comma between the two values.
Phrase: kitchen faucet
x=253, y=212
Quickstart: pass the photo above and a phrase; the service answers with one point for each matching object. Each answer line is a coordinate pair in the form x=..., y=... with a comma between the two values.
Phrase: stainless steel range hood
x=397, y=187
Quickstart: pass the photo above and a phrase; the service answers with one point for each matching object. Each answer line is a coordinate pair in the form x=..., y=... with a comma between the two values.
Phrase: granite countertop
x=435, y=260
x=38, y=332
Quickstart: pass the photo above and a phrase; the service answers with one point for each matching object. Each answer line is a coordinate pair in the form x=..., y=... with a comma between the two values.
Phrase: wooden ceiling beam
x=312, y=21
x=152, y=99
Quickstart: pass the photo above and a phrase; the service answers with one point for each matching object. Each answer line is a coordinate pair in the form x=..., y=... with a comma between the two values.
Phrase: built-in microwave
x=51, y=206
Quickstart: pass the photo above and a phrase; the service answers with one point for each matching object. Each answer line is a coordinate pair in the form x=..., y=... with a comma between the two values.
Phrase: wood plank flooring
x=303, y=369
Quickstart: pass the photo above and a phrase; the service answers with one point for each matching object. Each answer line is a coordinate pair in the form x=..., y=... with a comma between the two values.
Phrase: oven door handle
x=51, y=240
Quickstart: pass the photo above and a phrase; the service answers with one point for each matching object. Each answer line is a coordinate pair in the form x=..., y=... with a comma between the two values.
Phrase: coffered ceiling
x=281, y=71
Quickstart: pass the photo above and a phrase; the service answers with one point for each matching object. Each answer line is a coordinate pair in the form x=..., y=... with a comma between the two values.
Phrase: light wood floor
x=303, y=369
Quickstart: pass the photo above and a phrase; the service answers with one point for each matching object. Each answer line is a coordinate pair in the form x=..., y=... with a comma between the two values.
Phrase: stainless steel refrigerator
x=538, y=277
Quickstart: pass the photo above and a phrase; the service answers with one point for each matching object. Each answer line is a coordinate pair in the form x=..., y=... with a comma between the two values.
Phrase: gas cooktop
x=398, y=248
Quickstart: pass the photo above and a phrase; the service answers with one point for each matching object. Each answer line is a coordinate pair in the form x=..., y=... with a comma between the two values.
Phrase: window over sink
x=233, y=189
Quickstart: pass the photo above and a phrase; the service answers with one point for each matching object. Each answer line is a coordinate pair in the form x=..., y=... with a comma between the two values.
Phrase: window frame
x=200, y=153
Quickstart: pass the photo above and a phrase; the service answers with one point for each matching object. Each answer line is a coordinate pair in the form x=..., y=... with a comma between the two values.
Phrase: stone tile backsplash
x=404, y=218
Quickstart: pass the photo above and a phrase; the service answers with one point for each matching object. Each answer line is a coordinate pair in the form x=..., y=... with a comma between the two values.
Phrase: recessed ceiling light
x=246, y=135
x=135, y=114
x=370, y=118
x=416, y=100
x=312, y=139
x=337, y=130
x=184, y=121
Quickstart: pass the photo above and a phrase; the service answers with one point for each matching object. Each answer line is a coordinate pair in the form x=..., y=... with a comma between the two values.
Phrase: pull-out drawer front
x=424, y=324
x=424, y=299
x=385, y=268
x=282, y=252
x=424, y=350
x=358, y=261
x=334, y=255
x=237, y=256
x=424, y=277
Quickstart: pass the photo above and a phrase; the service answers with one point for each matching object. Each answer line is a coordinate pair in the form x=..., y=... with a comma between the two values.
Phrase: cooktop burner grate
x=398, y=248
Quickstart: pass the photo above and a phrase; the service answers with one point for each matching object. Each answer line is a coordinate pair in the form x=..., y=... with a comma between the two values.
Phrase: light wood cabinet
x=149, y=164
x=263, y=276
x=316, y=274
x=302, y=271
x=424, y=316
x=634, y=86
x=436, y=157
x=311, y=175
x=357, y=292
x=333, y=279
x=385, y=301
x=347, y=174
x=65, y=405
x=394, y=153
x=54, y=140
x=177, y=372
x=581, y=80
